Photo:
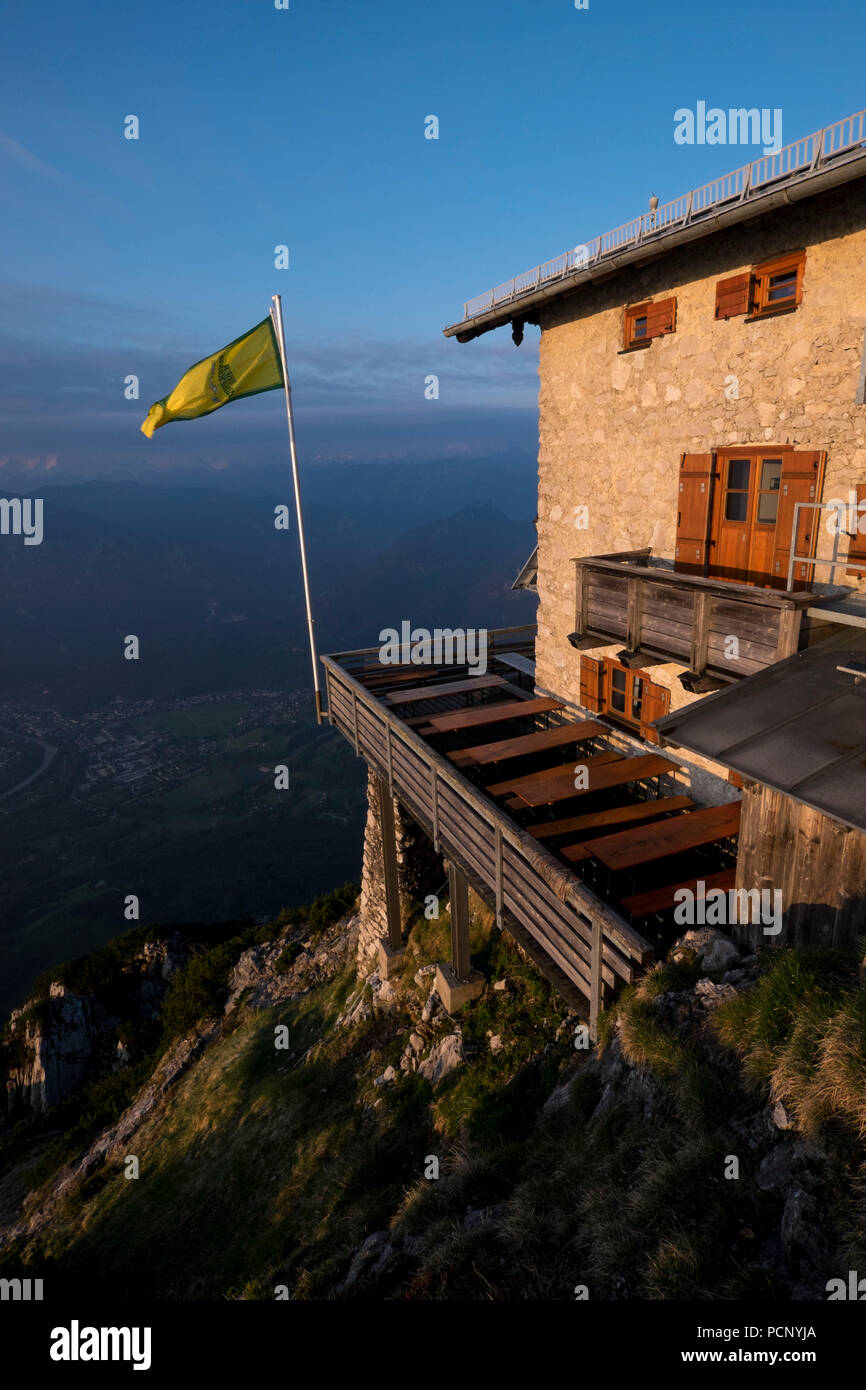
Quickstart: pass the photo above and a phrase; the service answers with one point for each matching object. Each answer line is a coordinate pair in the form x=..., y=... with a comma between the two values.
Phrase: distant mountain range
x=213, y=590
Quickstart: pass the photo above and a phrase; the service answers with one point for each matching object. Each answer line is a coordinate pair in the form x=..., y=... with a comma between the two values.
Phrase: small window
x=778, y=284
x=643, y=322
x=635, y=326
x=623, y=692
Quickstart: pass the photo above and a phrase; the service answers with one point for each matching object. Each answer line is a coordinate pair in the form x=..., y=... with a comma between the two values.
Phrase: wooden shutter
x=591, y=672
x=661, y=317
x=656, y=704
x=857, y=543
x=801, y=481
x=694, y=501
x=733, y=296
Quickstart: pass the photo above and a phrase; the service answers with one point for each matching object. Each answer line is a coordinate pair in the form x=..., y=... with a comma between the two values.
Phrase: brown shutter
x=801, y=481
x=591, y=672
x=694, y=500
x=656, y=704
x=661, y=317
x=733, y=296
x=857, y=543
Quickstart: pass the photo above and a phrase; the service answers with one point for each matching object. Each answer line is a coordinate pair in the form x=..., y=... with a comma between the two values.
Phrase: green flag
x=247, y=366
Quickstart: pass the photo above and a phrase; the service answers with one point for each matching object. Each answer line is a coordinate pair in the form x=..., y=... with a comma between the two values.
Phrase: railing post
x=596, y=979
x=390, y=756
x=434, y=797
x=497, y=853
x=354, y=720
x=789, y=631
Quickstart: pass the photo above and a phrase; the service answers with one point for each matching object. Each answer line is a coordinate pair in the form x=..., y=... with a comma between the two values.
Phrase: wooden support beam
x=700, y=631
x=634, y=615
x=458, y=890
x=389, y=865
x=789, y=632
x=580, y=599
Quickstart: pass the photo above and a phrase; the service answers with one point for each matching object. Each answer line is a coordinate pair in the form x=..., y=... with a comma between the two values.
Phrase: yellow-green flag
x=247, y=366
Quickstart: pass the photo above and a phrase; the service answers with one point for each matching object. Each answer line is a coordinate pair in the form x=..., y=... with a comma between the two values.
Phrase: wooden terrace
x=578, y=840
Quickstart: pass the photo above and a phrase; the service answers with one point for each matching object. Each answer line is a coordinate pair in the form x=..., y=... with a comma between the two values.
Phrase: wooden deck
x=447, y=768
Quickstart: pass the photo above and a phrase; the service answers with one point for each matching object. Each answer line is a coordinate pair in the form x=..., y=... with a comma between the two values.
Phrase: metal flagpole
x=277, y=319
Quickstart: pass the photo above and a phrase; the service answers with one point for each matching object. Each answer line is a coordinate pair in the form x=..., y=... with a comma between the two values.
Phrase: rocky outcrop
x=53, y=1046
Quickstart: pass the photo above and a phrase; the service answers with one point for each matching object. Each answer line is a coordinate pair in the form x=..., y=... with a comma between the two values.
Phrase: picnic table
x=663, y=899
x=441, y=692
x=491, y=713
x=546, y=788
x=517, y=784
x=613, y=817
x=630, y=848
x=523, y=744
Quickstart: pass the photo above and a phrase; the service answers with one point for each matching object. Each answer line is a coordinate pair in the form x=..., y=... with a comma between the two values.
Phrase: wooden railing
x=801, y=159
x=686, y=618
x=587, y=940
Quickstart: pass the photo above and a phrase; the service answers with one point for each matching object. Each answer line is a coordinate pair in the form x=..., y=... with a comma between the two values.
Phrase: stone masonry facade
x=613, y=425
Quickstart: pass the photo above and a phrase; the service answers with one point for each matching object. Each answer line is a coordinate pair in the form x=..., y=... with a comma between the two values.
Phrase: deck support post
x=391, y=948
x=458, y=890
x=456, y=981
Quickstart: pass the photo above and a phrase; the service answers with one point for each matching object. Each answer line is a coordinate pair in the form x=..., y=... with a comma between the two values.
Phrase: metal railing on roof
x=803, y=156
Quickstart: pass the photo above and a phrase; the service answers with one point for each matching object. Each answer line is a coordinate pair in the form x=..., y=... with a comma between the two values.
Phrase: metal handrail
x=807, y=154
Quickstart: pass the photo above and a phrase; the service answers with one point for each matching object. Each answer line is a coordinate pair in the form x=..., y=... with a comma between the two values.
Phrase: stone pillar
x=418, y=870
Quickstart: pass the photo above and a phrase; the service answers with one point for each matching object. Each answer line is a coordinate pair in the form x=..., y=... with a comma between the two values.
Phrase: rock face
x=714, y=950
x=444, y=1058
x=68, y=1039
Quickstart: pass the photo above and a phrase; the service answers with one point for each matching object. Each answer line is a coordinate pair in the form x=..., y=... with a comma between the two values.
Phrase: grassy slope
x=266, y=1169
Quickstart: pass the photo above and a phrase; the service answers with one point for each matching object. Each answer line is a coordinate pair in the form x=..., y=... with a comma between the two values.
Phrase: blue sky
x=305, y=127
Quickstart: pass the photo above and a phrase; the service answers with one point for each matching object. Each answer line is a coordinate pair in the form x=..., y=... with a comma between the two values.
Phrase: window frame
x=762, y=306
x=609, y=665
x=633, y=315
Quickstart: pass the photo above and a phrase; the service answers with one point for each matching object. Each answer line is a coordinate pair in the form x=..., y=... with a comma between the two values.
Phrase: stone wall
x=419, y=870
x=613, y=425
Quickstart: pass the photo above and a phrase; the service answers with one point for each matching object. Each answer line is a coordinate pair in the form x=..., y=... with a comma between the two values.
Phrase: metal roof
x=823, y=160
x=799, y=727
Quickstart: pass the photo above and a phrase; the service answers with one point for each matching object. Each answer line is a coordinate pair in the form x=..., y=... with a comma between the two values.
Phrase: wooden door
x=732, y=529
x=753, y=485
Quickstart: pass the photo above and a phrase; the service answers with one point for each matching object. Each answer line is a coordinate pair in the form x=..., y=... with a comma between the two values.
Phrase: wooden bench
x=614, y=815
x=644, y=843
x=441, y=692
x=516, y=784
x=663, y=899
x=641, y=811
x=398, y=675
x=491, y=713
x=558, y=785
x=524, y=744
